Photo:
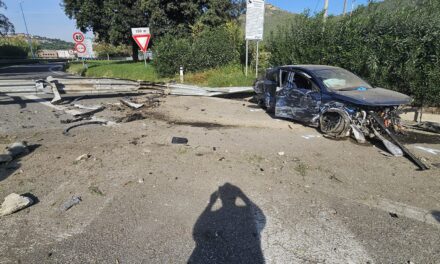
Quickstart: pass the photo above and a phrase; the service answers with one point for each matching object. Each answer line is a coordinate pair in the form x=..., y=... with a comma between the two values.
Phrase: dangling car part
x=336, y=101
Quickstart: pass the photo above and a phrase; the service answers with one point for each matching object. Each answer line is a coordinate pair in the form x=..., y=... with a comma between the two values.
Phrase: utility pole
x=325, y=10
x=345, y=7
x=27, y=31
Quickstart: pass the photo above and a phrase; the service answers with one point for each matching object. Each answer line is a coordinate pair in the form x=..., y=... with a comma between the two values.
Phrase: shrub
x=12, y=52
x=208, y=49
x=170, y=54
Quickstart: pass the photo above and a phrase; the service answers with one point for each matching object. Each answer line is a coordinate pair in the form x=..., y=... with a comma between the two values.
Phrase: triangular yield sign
x=142, y=41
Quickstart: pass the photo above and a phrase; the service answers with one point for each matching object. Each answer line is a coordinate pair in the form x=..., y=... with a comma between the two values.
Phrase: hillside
x=53, y=44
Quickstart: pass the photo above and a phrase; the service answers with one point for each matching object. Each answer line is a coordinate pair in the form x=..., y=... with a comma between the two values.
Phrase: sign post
x=142, y=37
x=80, y=48
x=254, y=26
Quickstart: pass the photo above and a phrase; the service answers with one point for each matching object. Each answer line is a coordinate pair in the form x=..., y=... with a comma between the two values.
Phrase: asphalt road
x=245, y=189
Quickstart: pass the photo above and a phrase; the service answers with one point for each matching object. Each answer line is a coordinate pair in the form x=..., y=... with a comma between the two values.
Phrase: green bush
x=12, y=52
x=207, y=50
x=170, y=54
x=392, y=44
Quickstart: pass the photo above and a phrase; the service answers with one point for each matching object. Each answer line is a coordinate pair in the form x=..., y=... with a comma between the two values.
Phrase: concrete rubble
x=14, y=203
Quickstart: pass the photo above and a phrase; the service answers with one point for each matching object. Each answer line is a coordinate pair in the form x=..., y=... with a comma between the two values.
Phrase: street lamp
x=27, y=31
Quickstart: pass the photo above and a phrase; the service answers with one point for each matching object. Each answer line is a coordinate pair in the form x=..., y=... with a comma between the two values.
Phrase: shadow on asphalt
x=7, y=169
x=230, y=234
x=436, y=215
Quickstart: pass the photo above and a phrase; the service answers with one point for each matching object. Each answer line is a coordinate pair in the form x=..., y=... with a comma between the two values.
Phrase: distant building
x=48, y=54
x=65, y=54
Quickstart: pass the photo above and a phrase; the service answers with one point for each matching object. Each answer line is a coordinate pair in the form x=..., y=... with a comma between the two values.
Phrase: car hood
x=372, y=97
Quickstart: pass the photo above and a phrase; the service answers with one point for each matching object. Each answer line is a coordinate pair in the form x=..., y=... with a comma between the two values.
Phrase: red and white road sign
x=80, y=48
x=78, y=37
x=142, y=37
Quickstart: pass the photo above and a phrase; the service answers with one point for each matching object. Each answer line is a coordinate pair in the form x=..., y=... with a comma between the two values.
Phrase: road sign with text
x=78, y=37
x=142, y=37
x=255, y=19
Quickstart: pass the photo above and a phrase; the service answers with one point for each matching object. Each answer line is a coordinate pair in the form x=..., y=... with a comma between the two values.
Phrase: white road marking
x=429, y=150
x=401, y=209
x=310, y=136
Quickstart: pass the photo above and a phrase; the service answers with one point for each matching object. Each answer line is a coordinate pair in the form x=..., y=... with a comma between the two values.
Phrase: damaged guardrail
x=59, y=86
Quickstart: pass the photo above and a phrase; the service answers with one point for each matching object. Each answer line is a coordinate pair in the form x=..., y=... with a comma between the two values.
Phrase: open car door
x=298, y=98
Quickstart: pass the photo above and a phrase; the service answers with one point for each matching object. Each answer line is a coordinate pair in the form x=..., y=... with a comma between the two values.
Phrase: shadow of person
x=230, y=234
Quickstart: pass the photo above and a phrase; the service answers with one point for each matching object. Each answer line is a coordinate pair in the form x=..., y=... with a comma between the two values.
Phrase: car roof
x=311, y=67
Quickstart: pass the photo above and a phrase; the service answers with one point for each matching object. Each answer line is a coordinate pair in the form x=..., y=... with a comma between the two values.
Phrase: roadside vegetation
x=226, y=76
x=115, y=69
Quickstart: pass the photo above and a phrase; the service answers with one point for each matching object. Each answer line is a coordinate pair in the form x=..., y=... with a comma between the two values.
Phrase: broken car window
x=341, y=80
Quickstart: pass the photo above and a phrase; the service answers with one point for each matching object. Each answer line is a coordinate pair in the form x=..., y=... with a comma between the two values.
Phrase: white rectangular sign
x=140, y=31
x=255, y=19
x=88, y=43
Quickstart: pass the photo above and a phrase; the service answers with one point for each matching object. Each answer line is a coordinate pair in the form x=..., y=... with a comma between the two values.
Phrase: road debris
x=83, y=157
x=70, y=203
x=179, y=140
x=281, y=153
x=69, y=121
x=413, y=158
x=53, y=85
x=93, y=110
x=130, y=117
x=394, y=215
x=131, y=104
x=14, y=203
x=66, y=131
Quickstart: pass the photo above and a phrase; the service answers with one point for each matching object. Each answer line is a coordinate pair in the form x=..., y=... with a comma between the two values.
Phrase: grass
x=228, y=76
x=116, y=69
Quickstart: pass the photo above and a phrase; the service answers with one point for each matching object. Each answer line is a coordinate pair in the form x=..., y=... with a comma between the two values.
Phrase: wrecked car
x=334, y=100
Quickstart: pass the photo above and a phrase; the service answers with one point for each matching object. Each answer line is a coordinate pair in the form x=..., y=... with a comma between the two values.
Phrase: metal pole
x=256, y=63
x=247, y=56
x=27, y=31
x=345, y=7
x=145, y=59
x=325, y=10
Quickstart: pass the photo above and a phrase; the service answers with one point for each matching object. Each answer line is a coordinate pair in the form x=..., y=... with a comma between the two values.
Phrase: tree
x=5, y=25
x=178, y=17
x=110, y=20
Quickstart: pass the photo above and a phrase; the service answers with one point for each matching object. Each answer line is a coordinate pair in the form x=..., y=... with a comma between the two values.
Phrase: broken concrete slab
x=14, y=203
x=131, y=104
x=70, y=203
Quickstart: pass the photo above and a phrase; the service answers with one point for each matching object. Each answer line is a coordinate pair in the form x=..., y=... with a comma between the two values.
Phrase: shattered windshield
x=341, y=80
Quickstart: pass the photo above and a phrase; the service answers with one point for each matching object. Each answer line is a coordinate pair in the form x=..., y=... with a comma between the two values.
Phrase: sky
x=46, y=17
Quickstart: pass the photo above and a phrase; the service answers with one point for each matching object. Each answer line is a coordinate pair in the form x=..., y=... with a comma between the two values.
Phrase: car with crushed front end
x=338, y=102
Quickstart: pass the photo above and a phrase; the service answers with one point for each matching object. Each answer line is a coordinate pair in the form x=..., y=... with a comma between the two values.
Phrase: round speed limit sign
x=80, y=48
x=78, y=37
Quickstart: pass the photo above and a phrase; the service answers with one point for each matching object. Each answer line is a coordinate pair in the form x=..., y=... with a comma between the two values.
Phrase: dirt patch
x=207, y=125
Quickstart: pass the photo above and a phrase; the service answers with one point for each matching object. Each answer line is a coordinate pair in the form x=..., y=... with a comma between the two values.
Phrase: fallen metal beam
x=411, y=156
